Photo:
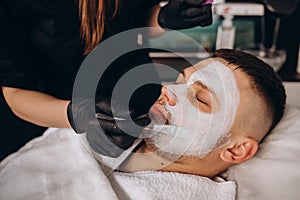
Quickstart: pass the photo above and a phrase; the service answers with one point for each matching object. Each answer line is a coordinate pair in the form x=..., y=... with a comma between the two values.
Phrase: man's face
x=198, y=111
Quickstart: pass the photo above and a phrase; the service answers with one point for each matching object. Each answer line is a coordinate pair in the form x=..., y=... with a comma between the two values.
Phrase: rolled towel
x=149, y=185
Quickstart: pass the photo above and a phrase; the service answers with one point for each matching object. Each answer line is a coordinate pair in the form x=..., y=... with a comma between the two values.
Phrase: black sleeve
x=15, y=63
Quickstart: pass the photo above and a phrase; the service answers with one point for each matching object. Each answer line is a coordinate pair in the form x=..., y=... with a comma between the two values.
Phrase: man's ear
x=240, y=151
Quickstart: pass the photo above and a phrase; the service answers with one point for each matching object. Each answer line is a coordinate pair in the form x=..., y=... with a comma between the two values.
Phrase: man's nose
x=167, y=96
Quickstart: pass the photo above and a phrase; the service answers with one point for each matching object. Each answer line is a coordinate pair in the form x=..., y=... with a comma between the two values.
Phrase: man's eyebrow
x=203, y=86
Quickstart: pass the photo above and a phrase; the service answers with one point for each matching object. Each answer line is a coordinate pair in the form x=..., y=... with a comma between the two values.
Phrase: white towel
x=54, y=166
x=155, y=185
x=59, y=166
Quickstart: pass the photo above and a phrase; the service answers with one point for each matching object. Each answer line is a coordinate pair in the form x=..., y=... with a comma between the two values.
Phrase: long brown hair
x=93, y=15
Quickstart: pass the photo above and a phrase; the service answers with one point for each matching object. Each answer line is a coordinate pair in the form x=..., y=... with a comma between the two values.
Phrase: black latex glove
x=121, y=131
x=104, y=135
x=182, y=14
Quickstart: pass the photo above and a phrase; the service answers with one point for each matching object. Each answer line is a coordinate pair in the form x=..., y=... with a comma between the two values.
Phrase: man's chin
x=150, y=145
x=165, y=155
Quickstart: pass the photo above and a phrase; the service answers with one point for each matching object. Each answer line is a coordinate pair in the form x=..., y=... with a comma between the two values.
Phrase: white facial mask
x=190, y=130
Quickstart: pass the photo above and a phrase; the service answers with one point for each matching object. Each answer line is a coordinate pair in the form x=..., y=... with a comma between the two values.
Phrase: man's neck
x=143, y=159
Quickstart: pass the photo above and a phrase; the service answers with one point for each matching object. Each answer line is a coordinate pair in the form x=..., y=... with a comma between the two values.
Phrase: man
x=237, y=97
x=260, y=105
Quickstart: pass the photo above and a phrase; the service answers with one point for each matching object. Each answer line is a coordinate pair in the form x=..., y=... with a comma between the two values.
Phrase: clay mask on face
x=191, y=131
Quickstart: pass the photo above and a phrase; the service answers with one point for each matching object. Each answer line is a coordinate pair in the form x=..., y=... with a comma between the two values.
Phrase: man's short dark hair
x=265, y=80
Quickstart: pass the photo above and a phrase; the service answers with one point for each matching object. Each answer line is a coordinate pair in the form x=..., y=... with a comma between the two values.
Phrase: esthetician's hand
x=182, y=14
x=108, y=135
x=121, y=129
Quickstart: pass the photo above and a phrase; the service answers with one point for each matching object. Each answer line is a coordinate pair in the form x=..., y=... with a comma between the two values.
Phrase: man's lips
x=158, y=114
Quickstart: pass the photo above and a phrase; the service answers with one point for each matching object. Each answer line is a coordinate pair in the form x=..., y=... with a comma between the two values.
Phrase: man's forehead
x=243, y=81
x=205, y=62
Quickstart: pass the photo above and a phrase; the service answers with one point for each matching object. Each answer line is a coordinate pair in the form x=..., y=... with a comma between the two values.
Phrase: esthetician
x=44, y=42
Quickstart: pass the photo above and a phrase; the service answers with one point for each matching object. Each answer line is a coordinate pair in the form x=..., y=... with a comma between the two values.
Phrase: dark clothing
x=41, y=50
x=41, y=47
